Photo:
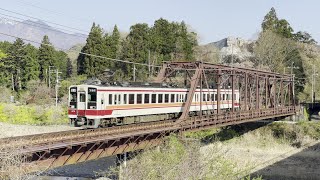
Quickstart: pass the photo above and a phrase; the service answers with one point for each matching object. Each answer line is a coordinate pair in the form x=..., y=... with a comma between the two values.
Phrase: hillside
x=35, y=30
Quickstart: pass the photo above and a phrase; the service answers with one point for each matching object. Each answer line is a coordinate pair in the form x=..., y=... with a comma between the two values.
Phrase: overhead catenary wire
x=54, y=11
x=61, y=25
x=36, y=24
x=87, y=54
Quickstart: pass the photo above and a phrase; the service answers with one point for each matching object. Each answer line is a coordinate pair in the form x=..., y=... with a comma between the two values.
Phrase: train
x=94, y=106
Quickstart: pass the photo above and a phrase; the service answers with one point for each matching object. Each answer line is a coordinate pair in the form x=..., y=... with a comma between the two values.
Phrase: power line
x=87, y=54
x=40, y=25
x=44, y=20
x=54, y=12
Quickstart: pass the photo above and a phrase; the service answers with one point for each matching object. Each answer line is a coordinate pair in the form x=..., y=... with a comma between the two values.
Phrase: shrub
x=180, y=159
x=5, y=94
x=36, y=115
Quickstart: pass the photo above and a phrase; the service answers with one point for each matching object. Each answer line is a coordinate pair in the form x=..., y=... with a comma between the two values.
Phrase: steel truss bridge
x=263, y=95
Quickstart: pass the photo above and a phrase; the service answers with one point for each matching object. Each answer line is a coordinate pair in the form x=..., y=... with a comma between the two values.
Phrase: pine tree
x=115, y=43
x=280, y=27
x=270, y=20
x=304, y=37
x=163, y=38
x=136, y=47
x=69, y=68
x=4, y=77
x=46, y=57
x=60, y=62
x=185, y=42
x=16, y=61
x=92, y=66
x=31, y=68
x=284, y=29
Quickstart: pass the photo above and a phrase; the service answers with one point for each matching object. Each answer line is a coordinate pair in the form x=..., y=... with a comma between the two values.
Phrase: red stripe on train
x=90, y=112
x=93, y=112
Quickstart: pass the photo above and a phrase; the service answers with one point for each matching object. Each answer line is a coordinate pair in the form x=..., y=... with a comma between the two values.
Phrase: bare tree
x=273, y=51
x=207, y=53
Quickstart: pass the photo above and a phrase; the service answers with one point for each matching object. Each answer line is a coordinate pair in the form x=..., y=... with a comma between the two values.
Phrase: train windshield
x=92, y=95
x=92, y=98
x=73, y=97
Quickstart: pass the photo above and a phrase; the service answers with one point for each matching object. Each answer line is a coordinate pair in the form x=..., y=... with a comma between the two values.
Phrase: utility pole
x=50, y=71
x=231, y=55
x=57, y=85
x=134, y=72
x=149, y=68
x=12, y=80
x=313, y=84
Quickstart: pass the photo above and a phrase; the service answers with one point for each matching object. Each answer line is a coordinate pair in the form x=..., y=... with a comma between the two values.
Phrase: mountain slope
x=35, y=30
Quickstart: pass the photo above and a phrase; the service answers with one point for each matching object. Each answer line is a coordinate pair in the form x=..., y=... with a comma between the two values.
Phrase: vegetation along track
x=23, y=142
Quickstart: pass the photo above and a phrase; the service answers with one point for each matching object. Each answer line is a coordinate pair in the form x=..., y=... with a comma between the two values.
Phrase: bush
x=38, y=94
x=180, y=159
x=5, y=94
x=33, y=115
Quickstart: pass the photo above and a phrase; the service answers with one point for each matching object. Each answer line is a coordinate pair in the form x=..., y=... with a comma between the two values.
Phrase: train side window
x=125, y=99
x=166, y=98
x=160, y=98
x=153, y=98
x=177, y=98
x=119, y=98
x=223, y=97
x=139, y=98
x=110, y=99
x=208, y=97
x=116, y=99
x=131, y=98
x=203, y=97
x=216, y=97
x=234, y=96
x=146, y=98
x=172, y=98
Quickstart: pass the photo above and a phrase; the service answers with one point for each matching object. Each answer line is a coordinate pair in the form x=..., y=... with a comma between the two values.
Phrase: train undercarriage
x=82, y=121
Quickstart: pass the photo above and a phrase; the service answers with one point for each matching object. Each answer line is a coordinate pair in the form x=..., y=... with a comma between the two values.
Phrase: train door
x=81, y=109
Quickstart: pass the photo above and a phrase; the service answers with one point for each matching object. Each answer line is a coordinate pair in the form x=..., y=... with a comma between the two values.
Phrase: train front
x=82, y=109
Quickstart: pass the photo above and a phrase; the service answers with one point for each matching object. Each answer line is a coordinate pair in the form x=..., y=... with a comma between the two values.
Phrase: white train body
x=89, y=105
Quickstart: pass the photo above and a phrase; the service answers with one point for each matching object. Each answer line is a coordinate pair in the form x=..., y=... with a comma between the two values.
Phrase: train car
x=93, y=106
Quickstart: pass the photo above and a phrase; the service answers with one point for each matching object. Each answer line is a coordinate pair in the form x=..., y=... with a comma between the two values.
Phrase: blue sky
x=212, y=20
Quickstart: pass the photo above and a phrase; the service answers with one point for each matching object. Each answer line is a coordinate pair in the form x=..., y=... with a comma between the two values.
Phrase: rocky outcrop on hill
x=234, y=50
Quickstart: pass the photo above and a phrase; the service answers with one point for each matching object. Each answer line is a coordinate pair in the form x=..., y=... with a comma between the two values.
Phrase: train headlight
x=92, y=107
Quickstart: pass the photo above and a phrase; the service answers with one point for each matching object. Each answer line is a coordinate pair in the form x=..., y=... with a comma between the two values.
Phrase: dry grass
x=230, y=158
x=13, y=165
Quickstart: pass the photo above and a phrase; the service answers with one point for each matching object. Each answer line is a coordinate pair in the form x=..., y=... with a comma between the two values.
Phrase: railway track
x=82, y=135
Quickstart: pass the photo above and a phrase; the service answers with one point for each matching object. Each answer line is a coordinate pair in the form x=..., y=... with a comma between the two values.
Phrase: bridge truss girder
x=258, y=89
